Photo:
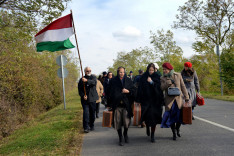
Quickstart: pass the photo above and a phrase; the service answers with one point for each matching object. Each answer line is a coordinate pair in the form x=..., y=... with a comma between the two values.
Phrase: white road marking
x=215, y=124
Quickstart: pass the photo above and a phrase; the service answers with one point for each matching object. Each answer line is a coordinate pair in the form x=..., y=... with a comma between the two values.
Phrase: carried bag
x=187, y=113
x=136, y=114
x=107, y=118
x=104, y=101
x=200, y=100
x=173, y=91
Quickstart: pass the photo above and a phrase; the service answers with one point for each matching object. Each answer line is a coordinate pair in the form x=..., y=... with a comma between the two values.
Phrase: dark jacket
x=90, y=87
x=137, y=80
x=131, y=78
x=106, y=91
x=106, y=84
x=151, y=98
x=116, y=95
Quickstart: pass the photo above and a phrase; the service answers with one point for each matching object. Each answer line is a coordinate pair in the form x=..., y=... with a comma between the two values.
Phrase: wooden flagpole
x=81, y=68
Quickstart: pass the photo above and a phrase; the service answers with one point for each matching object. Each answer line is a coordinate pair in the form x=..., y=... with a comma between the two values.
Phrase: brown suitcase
x=137, y=114
x=107, y=118
x=187, y=115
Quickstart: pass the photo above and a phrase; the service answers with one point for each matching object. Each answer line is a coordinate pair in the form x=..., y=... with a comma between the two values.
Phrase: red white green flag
x=55, y=36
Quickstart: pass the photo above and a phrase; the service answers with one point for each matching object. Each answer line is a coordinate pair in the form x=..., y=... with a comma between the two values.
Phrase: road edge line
x=215, y=124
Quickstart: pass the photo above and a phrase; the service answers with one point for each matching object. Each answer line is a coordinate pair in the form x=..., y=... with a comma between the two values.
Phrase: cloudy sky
x=106, y=27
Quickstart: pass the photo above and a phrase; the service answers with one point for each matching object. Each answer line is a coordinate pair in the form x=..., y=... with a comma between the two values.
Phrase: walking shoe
x=174, y=134
x=193, y=118
x=126, y=139
x=86, y=131
x=97, y=116
x=178, y=132
x=121, y=141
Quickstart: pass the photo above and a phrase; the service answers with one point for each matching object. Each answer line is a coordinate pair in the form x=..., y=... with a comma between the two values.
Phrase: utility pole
x=220, y=71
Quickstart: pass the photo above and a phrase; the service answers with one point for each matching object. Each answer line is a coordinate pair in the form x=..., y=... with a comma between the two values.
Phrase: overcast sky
x=106, y=27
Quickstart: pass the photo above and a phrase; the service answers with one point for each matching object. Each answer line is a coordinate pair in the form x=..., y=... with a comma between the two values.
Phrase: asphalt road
x=200, y=138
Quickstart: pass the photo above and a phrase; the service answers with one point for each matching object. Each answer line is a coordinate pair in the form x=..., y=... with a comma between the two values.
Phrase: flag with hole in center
x=55, y=36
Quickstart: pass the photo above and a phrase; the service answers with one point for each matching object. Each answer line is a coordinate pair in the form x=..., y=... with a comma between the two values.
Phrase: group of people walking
x=150, y=89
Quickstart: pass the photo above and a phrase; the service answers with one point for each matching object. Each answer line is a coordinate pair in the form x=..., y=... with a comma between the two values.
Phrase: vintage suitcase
x=187, y=112
x=200, y=100
x=136, y=114
x=107, y=118
x=187, y=115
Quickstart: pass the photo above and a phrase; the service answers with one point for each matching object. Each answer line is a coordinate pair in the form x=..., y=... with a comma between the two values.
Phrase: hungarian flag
x=55, y=36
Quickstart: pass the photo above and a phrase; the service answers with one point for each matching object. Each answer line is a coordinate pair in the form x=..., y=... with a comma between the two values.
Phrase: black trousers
x=97, y=107
x=88, y=114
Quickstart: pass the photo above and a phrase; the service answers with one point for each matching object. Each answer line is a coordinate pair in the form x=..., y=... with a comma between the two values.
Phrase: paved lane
x=221, y=112
x=200, y=138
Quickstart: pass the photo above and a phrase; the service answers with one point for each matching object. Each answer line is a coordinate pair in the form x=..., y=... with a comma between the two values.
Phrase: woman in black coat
x=121, y=92
x=150, y=96
x=105, y=85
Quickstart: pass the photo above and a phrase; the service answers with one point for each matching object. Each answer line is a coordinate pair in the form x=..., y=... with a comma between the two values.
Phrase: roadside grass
x=56, y=132
x=217, y=96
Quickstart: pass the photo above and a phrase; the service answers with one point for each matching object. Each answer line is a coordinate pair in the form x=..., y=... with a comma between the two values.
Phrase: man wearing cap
x=104, y=76
x=131, y=75
x=137, y=78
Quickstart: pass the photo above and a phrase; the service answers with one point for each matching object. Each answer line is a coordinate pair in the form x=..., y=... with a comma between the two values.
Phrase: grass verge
x=56, y=132
x=218, y=96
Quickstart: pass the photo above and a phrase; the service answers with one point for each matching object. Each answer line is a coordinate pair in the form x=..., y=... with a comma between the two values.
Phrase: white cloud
x=128, y=32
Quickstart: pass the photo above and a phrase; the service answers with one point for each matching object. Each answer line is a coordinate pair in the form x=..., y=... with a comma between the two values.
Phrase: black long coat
x=90, y=87
x=115, y=91
x=151, y=98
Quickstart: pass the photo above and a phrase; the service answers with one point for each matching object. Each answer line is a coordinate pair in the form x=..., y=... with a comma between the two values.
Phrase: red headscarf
x=188, y=64
x=167, y=65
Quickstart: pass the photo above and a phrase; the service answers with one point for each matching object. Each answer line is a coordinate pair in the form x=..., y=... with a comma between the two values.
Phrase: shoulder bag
x=173, y=91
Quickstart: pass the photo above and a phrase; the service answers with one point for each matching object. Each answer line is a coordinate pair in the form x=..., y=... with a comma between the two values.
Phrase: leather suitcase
x=200, y=100
x=187, y=115
x=107, y=118
x=136, y=114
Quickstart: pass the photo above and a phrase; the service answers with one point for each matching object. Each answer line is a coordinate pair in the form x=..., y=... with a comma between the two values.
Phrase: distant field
x=218, y=96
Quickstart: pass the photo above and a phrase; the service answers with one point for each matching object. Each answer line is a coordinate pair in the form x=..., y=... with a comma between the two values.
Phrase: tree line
x=212, y=21
x=29, y=84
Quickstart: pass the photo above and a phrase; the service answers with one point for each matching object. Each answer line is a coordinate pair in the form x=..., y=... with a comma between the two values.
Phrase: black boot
x=178, y=129
x=152, y=133
x=147, y=130
x=120, y=137
x=126, y=135
x=173, y=131
x=152, y=137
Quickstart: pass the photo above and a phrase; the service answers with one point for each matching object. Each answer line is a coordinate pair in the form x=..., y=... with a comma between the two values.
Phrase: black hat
x=104, y=73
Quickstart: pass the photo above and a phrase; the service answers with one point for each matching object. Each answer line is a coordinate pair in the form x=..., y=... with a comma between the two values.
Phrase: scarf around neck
x=169, y=74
